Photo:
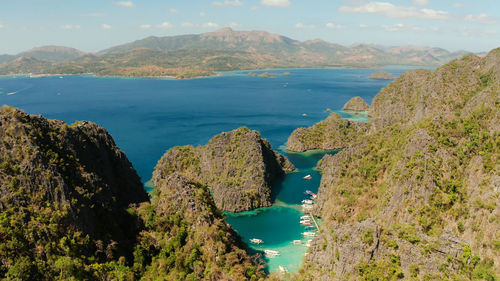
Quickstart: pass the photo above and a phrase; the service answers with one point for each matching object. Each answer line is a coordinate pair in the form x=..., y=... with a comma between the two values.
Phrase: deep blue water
x=148, y=116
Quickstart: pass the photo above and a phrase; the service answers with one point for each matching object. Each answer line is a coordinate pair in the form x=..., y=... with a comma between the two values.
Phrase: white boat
x=307, y=201
x=306, y=217
x=308, y=177
x=283, y=269
x=271, y=253
x=309, y=234
x=305, y=222
x=307, y=206
x=297, y=242
x=256, y=241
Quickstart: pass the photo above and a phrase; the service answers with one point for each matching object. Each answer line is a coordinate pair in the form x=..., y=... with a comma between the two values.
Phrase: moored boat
x=309, y=234
x=297, y=242
x=308, y=177
x=271, y=253
x=283, y=269
x=256, y=241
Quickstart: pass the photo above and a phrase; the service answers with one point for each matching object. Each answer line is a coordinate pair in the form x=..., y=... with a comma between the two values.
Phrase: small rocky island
x=356, y=104
x=262, y=75
x=238, y=166
x=332, y=133
x=381, y=75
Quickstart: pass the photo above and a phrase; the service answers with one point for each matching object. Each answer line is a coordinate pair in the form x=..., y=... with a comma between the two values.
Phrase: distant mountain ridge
x=194, y=55
x=48, y=53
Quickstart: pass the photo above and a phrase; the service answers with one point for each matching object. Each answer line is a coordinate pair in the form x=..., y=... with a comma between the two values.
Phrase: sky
x=93, y=25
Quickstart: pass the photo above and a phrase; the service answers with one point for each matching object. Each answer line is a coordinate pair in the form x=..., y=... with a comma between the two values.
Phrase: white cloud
x=210, y=25
x=234, y=25
x=128, y=4
x=420, y=2
x=188, y=24
x=394, y=27
x=459, y=5
x=2, y=26
x=202, y=14
x=145, y=26
x=304, y=26
x=173, y=11
x=363, y=26
x=471, y=32
x=404, y=27
x=106, y=26
x=166, y=25
x=481, y=18
x=234, y=3
x=69, y=26
x=276, y=3
x=392, y=11
x=335, y=26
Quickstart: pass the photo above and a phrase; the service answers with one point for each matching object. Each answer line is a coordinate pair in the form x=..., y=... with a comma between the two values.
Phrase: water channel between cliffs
x=278, y=226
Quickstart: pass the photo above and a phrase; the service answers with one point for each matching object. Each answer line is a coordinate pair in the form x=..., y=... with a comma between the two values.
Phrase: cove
x=148, y=116
x=278, y=226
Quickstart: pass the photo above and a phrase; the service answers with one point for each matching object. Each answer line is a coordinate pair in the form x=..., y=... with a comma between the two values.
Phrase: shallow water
x=148, y=116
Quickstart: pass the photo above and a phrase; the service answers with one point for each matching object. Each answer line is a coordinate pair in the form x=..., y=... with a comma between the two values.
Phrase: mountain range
x=186, y=56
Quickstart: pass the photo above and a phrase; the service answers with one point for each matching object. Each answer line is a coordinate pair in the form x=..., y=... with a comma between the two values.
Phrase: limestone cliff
x=356, y=104
x=381, y=75
x=332, y=133
x=416, y=197
x=64, y=191
x=238, y=166
x=187, y=237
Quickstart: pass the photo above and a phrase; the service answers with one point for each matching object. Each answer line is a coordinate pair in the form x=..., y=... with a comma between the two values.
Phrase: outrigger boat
x=308, y=202
x=256, y=241
x=306, y=217
x=309, y=234
x=305, y=222
x=283, y=270
x=271, y=253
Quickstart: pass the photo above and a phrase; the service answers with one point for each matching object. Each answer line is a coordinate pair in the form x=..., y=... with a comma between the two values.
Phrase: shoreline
x=216, y=73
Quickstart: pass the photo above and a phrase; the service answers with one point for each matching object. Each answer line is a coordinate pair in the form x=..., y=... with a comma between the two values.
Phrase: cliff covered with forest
x=238, y=166
x=417, y=196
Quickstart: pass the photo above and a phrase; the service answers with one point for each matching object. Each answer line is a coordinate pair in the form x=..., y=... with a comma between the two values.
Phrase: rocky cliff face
x=238, y=166
x=187, y=237
x=356, y=104
x=332, y=133
x=417, y=196
x=64, y=190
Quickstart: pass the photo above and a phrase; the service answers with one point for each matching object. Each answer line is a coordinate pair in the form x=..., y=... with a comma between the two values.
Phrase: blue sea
x=148, y=116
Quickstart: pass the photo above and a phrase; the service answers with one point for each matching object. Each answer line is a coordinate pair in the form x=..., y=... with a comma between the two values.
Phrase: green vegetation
x=425, y=172
x=190, y=56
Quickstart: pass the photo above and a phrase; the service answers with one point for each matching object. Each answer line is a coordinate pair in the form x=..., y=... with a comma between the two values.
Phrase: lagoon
x=148, y=116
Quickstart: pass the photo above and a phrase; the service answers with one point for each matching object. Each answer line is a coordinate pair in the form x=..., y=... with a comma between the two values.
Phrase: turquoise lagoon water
x=148, y=116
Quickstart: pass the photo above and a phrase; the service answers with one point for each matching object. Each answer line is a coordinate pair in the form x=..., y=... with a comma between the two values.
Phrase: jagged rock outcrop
x=421, y=94
x=238, y=166
x=187, y=229
x=332, y=133
x=381, y=75
x=64, y=191
x=356, y=104
x=417, y=195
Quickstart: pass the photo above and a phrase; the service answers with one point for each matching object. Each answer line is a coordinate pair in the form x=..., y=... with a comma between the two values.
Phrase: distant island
x=381, y=75
x=199, y=55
